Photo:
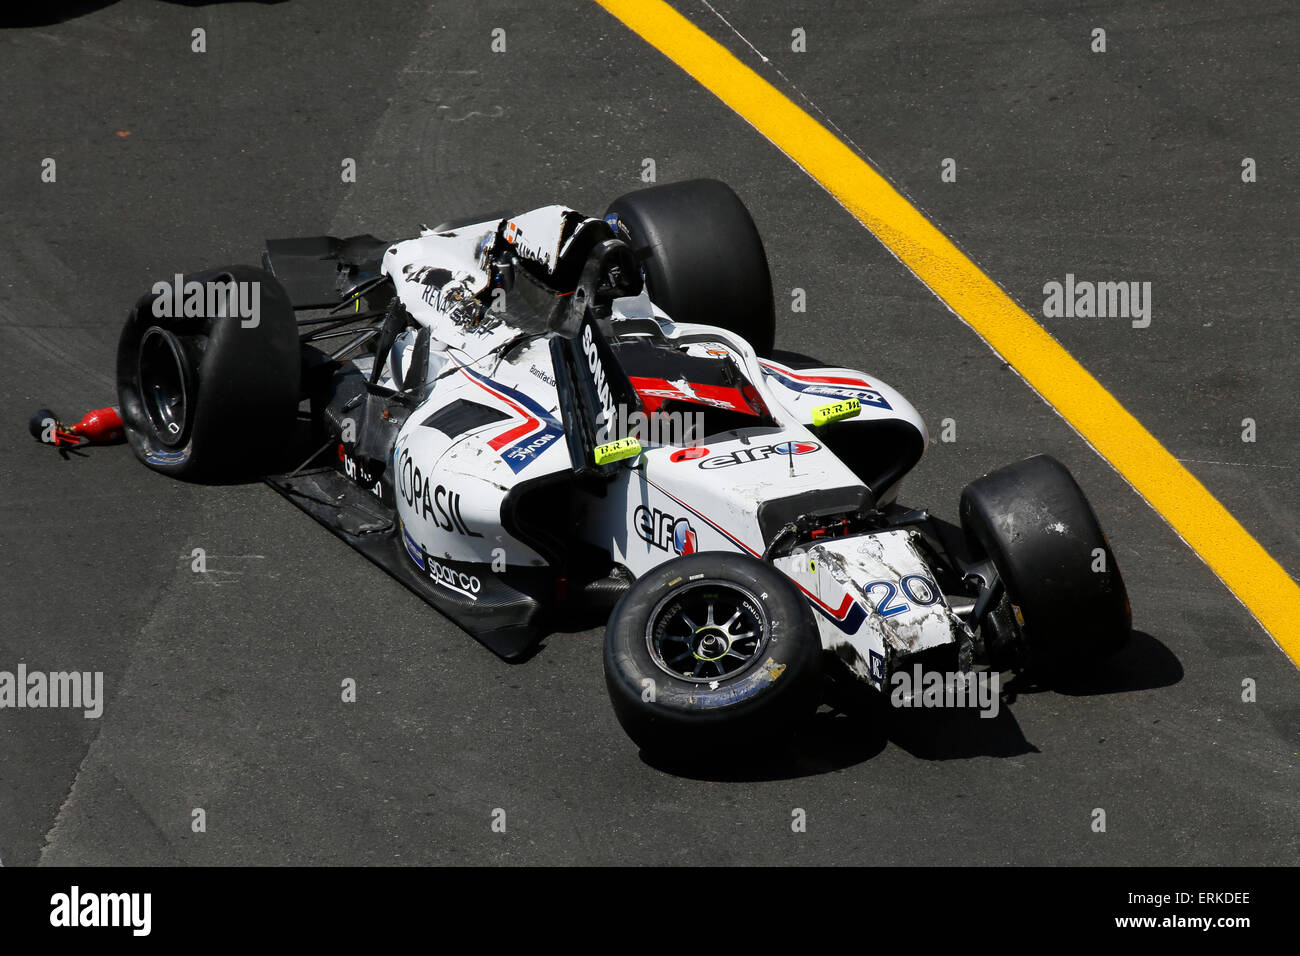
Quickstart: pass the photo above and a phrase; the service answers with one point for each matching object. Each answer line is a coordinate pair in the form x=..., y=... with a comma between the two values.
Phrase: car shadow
x=44, y=15
x=1144, y=663
x=860, y=722
x=829, y=740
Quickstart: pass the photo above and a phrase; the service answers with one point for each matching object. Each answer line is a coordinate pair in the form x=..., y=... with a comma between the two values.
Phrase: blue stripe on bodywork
x=867, y=396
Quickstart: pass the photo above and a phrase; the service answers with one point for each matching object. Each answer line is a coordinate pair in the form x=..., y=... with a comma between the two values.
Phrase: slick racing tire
x=712, y=655
x=1063, y=583
x=211, y=395
x=702, y=256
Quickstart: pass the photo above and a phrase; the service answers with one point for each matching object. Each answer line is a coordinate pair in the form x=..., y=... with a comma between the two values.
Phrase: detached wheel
x=1063, y=583
x=211, y=395
x=702, y=256
x=712, y=653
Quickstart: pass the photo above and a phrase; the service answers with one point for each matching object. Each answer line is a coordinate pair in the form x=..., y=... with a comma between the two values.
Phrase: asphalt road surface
x=222, y=690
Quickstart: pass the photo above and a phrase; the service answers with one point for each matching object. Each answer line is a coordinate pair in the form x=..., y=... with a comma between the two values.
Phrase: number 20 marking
x=917, y=587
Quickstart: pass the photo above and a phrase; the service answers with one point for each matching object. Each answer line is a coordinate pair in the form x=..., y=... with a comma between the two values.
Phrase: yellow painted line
x=1257, y=580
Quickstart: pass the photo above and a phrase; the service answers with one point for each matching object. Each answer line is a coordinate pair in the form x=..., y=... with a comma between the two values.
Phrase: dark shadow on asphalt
x=854, y=730
x=860, y=722
x=1144, y=663
x=830, y=740
x=61, y=11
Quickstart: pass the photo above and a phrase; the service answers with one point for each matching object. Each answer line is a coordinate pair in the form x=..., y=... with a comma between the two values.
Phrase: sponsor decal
x=435, y=502
x=832, y=386
x=597, y=369
x=664, y=531
x=533, y=369
x=462, y=582
x=688, y=454
x=876, y=664
x=836, y=411
x=515, y=236
x=449, y=293
x=618, y=450
x=413, y=548
x=745, y=456
x=525, y=451
x=358, y=473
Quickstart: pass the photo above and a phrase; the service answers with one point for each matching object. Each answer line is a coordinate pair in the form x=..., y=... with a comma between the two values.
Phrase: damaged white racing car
x=529, y=415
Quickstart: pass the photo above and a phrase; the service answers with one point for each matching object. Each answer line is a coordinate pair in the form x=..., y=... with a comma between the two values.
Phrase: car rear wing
x=318, y=272
x=596, y=398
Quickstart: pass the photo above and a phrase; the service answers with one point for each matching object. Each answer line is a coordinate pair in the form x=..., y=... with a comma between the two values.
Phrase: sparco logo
x=759, y=453
x=434, y=502
x=664, y=531
x=598, y=376
x=459, y=581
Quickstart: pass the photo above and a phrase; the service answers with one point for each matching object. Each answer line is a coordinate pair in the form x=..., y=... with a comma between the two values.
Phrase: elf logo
x=760, y=453
x=664, y=531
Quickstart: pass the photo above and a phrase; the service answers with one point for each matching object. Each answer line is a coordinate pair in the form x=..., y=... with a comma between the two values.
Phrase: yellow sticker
x=617, y=450
x=773, y=669
x=835, y=411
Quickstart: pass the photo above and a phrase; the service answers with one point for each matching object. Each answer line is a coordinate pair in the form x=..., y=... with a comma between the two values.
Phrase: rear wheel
x=1063, y=584
x=710, y=654
x=702, y=256
x=211, y=395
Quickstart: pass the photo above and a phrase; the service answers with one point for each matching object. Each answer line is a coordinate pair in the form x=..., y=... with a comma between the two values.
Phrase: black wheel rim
x=707, y=631
x=163, y=384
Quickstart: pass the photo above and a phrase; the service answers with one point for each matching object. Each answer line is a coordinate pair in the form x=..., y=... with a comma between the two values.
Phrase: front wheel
x=1064, y=587
x=712, y=653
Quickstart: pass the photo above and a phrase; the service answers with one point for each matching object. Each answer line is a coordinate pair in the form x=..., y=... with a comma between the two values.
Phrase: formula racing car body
x=539, y=410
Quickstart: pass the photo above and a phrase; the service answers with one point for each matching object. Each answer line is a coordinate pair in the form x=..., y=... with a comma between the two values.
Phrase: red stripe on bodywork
x=646, y=387
x=818, y=379
x=518, y=431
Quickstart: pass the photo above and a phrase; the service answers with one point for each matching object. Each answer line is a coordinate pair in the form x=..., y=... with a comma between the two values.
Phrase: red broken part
x=97, y=427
